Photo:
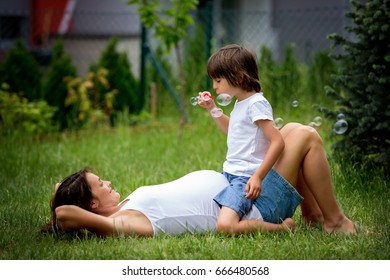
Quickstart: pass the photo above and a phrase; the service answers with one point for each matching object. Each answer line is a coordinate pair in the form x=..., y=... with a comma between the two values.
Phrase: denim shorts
x=233, y=196
x=278, y=199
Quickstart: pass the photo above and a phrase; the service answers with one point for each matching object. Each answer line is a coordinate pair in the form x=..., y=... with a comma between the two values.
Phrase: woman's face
x=103, y=195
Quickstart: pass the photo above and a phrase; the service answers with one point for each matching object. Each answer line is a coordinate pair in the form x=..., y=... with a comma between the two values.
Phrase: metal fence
x=89, y=32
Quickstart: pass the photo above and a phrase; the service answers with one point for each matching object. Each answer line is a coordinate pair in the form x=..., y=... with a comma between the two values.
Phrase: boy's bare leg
x=228, y=222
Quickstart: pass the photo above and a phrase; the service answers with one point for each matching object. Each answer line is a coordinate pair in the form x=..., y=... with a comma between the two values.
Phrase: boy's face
x=221, y=85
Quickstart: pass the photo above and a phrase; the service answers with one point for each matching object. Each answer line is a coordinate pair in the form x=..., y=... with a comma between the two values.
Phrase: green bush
x=18, y=115
x=268, y=73
x=364, y=79
x=288, y=81
x=319, y=75
x=54, y=89
x=119, y=78
x=291, y=76
x=90, y=100
x=280, y=82
x=21, y=72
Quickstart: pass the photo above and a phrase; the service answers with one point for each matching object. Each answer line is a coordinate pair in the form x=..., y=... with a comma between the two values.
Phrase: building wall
x=94, y=22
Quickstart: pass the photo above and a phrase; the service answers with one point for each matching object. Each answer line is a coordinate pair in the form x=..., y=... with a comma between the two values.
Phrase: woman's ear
x=94, y=204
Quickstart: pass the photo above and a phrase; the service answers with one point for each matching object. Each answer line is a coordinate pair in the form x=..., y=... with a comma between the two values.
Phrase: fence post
x=153, y=102
x=208, y=25
x=142, y=81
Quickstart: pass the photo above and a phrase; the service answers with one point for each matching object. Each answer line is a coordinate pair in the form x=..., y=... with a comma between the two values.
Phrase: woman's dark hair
x=73, y=190
x=237, y=65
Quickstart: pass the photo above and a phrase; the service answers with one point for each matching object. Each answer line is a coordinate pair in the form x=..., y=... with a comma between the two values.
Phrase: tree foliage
x=170, y=26
x=363, y=81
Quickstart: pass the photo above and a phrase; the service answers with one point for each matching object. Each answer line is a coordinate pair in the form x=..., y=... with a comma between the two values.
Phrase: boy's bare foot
x=289, y=225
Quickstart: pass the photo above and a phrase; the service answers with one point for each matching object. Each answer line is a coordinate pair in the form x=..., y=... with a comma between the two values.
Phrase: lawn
x=150, y=154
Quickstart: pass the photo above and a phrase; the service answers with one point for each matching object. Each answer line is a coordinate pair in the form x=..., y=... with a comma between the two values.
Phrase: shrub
x=290, y=76
x=21, y=72
x=87, y=103
x=119, y=78
x=18, y=115
x=364, y=79
x=319, y=75
x=54, y=89
x=268, y=75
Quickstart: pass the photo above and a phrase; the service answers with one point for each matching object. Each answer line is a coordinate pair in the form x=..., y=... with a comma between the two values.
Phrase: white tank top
x=247, y=144
x=183, y=205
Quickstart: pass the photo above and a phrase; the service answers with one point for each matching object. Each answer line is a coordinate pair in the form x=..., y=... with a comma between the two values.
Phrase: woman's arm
x=72, y=218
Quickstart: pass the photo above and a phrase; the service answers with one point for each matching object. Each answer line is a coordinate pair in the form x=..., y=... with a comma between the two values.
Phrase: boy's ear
x=240, y=78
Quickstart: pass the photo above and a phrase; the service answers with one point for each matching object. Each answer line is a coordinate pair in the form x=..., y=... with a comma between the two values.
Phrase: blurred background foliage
x=353, y=82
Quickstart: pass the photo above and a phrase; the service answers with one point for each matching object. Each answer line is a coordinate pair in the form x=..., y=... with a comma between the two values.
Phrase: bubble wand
x=223, y=99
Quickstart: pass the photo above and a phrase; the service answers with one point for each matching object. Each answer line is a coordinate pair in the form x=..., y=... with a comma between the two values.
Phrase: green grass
x=144, y=155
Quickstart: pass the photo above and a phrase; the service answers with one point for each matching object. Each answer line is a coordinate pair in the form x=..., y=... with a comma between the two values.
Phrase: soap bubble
x=216, y=112
x=194, y=100
x=317, y=121
x=279, y=123
x=340, y=116
x=340, y=127
x=206, y=96
x=295, y=103
x=224, y=99
x=312, y=124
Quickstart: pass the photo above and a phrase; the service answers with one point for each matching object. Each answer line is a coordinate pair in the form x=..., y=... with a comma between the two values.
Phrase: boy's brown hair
x=237, y=65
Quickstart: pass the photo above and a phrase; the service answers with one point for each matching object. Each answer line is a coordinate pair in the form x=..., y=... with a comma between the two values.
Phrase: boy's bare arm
x=253, y=187
x=222, y=122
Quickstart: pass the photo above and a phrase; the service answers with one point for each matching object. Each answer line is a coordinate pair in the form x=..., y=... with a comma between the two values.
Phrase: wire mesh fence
x=90, y=30
x=86, y=30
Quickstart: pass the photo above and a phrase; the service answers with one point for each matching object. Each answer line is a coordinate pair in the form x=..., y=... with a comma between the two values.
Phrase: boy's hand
x=253, y=187
x=207, y=103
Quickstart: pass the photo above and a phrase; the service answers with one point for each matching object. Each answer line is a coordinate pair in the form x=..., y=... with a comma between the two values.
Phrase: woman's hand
x=69, y=217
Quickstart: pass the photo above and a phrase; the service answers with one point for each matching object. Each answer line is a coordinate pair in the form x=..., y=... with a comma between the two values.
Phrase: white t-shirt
x=183, y=205
x=247, y=144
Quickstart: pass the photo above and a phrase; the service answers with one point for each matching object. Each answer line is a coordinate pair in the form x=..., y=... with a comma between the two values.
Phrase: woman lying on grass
x=83, y=201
